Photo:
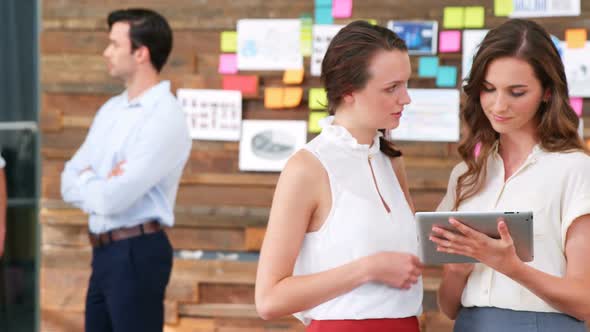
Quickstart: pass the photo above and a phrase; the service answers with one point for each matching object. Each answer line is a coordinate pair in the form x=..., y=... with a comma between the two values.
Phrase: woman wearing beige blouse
x=530, y=158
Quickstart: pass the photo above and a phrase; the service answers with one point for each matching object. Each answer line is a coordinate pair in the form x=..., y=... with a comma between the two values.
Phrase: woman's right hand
x=396, y=269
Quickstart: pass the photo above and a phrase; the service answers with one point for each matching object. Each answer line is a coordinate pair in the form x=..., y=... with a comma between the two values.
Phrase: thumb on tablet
x=503, y=230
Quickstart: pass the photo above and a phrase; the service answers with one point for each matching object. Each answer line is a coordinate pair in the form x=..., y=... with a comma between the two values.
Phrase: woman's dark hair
x=557, y=123
x=345, y=67
x=146, y=28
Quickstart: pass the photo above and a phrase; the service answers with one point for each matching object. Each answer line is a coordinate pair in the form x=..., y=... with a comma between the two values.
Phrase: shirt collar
x=532, y=158
x=149, y=97
x=344, y=138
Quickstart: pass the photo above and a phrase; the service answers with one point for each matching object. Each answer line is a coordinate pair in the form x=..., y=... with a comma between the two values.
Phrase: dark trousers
x=127, y=285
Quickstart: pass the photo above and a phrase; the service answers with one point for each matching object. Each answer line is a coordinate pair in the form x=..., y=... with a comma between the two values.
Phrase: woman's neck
x=514, y=150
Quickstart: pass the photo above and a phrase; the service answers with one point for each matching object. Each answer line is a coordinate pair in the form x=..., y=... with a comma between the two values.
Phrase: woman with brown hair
x=340, y=246
x=531, y=159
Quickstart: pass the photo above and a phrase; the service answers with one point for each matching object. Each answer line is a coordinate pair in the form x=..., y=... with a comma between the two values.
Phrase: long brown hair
x=557, y=122
x=345, y=67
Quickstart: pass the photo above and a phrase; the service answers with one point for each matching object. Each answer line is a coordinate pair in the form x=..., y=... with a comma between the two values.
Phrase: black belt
x=103, y=239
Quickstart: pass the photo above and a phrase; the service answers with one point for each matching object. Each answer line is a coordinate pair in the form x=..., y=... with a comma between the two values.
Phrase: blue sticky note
x=427, y=66
x=446, y=77
x=557, y=44
x=323, y=15
x=323, y=3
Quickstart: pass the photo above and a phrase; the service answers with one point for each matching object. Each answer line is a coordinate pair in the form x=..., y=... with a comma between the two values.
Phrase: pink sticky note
x=228, y=64
x=341, y=8
x=477, y=149
x=449, y=41
x=576, y=104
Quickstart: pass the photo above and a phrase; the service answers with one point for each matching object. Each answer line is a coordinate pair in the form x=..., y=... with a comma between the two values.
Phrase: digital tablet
x=520, y=225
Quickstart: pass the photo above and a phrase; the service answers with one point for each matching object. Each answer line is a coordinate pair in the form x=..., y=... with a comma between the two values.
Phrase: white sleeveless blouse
x=359, y=225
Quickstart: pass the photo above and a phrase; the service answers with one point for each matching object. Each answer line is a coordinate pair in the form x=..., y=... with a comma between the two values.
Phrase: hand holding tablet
x=462, y=237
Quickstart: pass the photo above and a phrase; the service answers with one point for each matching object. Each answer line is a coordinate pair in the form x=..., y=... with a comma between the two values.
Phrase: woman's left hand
x=499, y=254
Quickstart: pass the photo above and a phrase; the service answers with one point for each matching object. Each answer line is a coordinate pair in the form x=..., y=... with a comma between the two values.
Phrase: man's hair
x=146, y=28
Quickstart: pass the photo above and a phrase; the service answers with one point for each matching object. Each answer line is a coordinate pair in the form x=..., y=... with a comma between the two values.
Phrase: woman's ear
x=348, y=98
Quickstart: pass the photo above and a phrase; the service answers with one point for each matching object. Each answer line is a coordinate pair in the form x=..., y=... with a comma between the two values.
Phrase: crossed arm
x=147, y=161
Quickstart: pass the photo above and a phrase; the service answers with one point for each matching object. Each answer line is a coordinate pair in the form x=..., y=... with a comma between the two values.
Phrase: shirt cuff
x=579, y=210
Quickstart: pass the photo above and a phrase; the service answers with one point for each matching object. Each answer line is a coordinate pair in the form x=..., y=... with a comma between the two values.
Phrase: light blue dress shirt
x=151, y=135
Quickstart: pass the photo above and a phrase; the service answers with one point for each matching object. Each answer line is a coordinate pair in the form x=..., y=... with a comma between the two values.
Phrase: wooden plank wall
x=218, y=208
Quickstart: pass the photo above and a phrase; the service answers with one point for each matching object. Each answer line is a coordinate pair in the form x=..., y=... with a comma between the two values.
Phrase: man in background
x=126, y=176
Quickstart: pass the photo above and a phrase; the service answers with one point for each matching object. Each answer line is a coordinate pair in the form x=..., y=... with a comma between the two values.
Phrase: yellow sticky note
x=454, y=17
x=576, y=38
x=313, y=125
x=293, y=76
x=306, y=47
x=474, y=17
x=273, y=98
x=229, y=41
x=306, y=41
x=503, y=7
x=318, y=99
x=292, y=97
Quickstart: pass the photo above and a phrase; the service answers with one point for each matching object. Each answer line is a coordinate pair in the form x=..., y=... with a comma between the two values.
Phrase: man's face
x=121, y=60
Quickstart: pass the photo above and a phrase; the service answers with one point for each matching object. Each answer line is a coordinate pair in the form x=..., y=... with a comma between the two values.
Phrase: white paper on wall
x=212, y=114
x=269, y=44
x=576, y=62
x=266, y=145
x=433, y=115
x=322, y=36
x=471, y=41
x=546, y=8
